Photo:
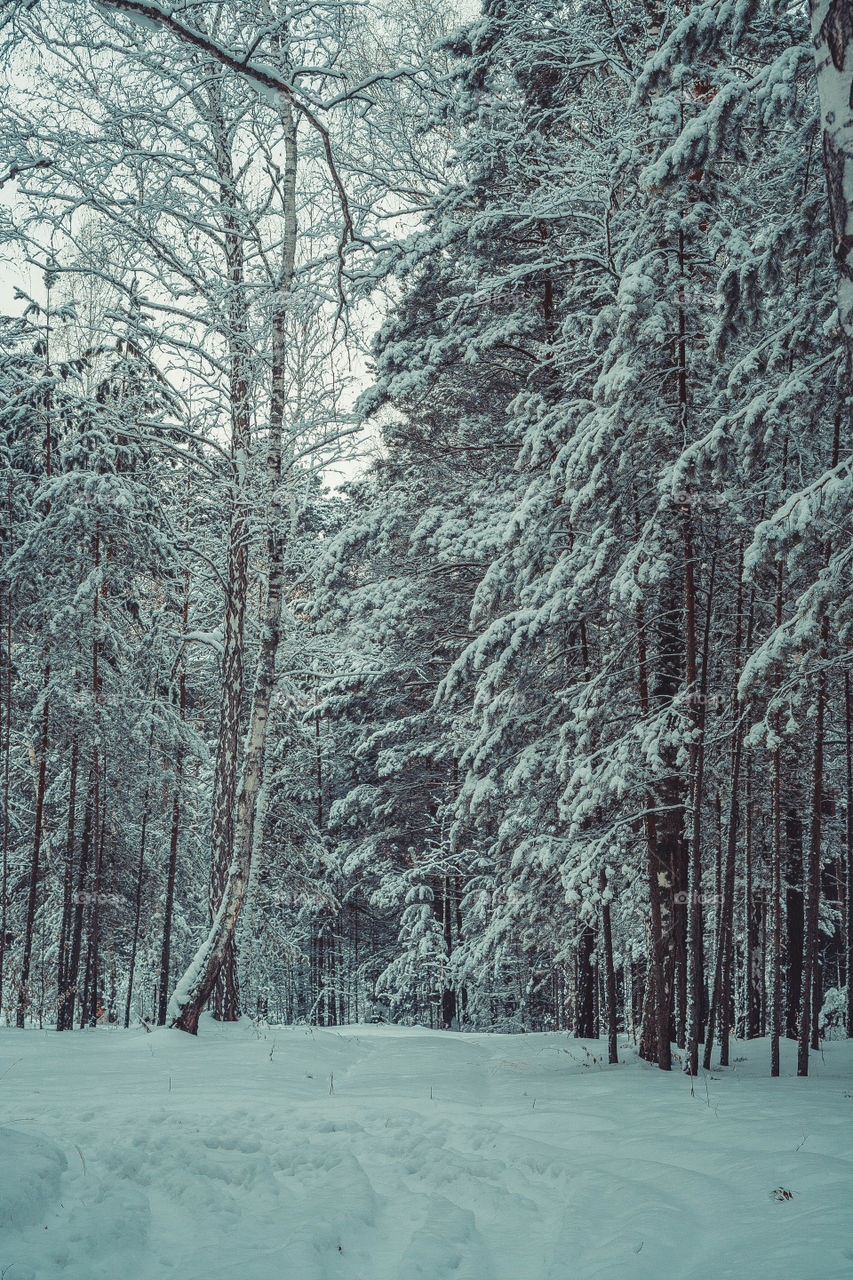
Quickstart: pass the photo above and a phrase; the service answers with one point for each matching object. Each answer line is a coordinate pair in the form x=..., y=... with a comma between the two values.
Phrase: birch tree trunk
x=198, y=981
x=225, y=773
x=832, y=34
x=174, y=833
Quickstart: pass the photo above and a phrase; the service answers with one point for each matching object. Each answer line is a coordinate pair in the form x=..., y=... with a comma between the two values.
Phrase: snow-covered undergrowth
x=368, y=1153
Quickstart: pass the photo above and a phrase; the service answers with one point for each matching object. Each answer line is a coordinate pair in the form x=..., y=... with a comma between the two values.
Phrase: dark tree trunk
x=695, y=918
x=29, y=927
x=69, y=995
x=655, y=1043
x=776, y=875
x=7, y=751
x=448, y=995
x=137, y=904
x=98, y=837
x=585, y=985
x=723, y=971
x=812, y=912
x=63, y=951
x=609, y=973
x=795, y=916
x=166, y=949
x=777, y=1013
x=721, y=1001
x=754, y=958
x=848, y=725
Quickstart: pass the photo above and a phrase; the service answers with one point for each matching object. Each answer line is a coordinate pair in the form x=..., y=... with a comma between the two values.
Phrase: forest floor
x=382, y=1153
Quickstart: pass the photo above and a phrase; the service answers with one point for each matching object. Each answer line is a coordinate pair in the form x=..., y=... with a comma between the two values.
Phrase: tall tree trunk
x=832, y=36
x=795, y=917
x=26, y=961
x=69, y=995
x=753, y=959
x=721, y=1001
x=448, y=995
x=609, y=971
x=41, y=782
x=695, y=922
x=848, y=726
x=63, y=953
x=811, y=997
x=776, y=873
x=197, y=983
x=7, y=754
x=724, y=962
x=99, y=825
x=584, y=1005
x=98, y=811
x=171, y=873
x=318, y=765
x=776, y=1005
x=166, y=948
x=226, y=999
x=87, y=985
x=681, y=877
x=656, y=987
x=671, y=848
x=140, y=868
x=137, y=910
x=812, y=912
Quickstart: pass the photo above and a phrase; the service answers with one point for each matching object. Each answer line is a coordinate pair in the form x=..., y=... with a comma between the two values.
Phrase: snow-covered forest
x=426, y=639
x=426, y=520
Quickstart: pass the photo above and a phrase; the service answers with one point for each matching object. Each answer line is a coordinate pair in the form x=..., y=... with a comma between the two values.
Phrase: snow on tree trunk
x=197, y=983
x=832, y=31
x=225, y=777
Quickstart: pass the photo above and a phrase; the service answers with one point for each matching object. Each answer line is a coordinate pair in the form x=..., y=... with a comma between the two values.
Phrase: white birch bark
x=194, y=988
x=832, y=33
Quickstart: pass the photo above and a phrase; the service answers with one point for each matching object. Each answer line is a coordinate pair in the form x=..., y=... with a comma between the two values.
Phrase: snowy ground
x=387, y=1154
